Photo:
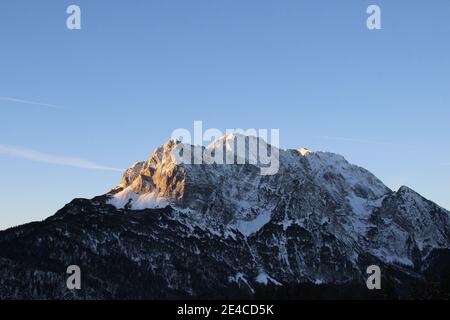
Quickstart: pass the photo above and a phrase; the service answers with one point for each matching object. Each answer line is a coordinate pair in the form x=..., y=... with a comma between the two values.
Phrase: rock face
x=176, y=230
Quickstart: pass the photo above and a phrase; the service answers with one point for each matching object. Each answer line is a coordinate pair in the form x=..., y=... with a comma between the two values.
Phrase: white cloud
x=37, y=156
x=29, y=102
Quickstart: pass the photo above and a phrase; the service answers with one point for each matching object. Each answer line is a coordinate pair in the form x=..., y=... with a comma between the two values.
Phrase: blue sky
x=137, y=70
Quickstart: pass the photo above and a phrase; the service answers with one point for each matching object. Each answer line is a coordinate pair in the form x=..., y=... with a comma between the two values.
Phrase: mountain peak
x=319, y=219
x=235, y=194
x=304, y=151
x=406, y=189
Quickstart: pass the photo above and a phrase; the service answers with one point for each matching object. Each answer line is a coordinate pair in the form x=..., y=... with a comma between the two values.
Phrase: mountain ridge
x=225, y=230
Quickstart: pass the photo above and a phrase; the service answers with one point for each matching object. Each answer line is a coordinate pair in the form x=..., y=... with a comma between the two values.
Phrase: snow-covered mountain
x=225, y=230
x=318, y=191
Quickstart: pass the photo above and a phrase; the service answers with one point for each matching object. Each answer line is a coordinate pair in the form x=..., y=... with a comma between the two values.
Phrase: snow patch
x=264, y=278
x=240, y=278
x=249, y=227
x=132, y=200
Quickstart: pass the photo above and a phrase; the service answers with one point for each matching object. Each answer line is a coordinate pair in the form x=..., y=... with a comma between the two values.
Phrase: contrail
x=361, y=141
x=29, y=102
x=37, y=156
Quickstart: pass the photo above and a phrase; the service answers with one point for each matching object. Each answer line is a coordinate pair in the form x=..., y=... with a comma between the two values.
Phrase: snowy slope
x=318, y=191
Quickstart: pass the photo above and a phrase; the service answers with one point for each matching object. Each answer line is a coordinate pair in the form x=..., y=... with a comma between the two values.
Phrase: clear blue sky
x=140, y=69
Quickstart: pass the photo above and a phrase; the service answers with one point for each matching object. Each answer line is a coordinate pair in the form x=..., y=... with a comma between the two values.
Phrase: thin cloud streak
x=386, y=144
x=34, y=103
x=37, y=156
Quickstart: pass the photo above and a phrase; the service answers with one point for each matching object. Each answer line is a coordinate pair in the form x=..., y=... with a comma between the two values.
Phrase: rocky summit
x=173, y=230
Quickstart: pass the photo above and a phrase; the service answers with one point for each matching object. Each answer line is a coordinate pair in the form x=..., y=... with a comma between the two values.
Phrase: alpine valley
x=208, y=231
